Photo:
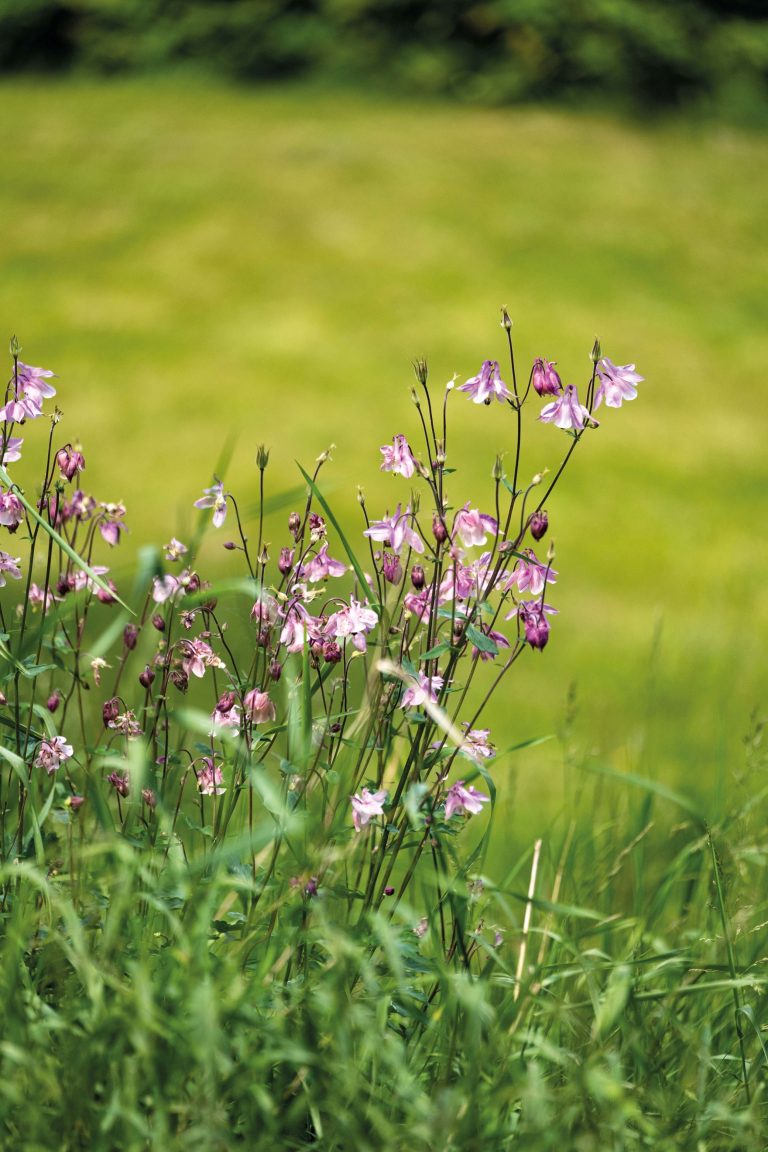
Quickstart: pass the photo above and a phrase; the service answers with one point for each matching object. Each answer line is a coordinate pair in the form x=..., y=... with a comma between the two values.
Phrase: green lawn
x=200, y=261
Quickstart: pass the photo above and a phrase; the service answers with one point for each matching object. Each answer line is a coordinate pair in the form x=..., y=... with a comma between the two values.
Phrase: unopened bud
x=70, y=461
x=264, y=556
x=149, y=797
x=146, y=677
x=439, y=530
x=130, y=636
x=15, y=347
x=422, y=372
x=110, y=710
x=294, y=523
x=285, y=563
x=262, y=457
x=226, y=702
x=506, y=323
x=538, y=524
x=229, y=545
x=418, y=579
x=53, y=701
x=275, y=670
x=498, y=469
x=158, y=622
x=179, y=679
x=596, y=352
x=551, y=552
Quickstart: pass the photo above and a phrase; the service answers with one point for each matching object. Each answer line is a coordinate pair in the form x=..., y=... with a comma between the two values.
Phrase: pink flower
x=544, y=378
x=428, y=688
x=52, y=753
x=196, y=656
x=463, y=798
x=215, y=498
x=299, y=628
x=472, y=526
x=120, y=782
x=165, y=588
x=396, y=531
x=210, y=779
x=366, y=806
x=530, y=575
x=617, y=383
x=535, y=623
x=174, y=549
x=31, y=390
x=126, y=723
x=11, y=510
x=258, y=707
x=398, y=458
x=264, y=611
x=111, y=524
x=12, y=451
x=9, y=567
x=567, y=412
x=354, y=620
x=321, y=566
x=487, y=384
x=419, y=603
x=476, y=743
x=70, y=461
x=228, y=719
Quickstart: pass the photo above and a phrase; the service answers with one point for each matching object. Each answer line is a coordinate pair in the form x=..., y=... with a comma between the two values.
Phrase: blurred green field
x=197, y=261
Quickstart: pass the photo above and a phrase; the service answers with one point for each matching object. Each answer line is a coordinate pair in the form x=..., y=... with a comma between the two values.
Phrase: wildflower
x=391, y=568
x=321, y=566
x=210, y=779
x=439, y=530
x=317, y=528
x=149, y=797
x=52, y=753
x=215, y=498
x=538, y=524
x=428, y=688
x=31, y=390
x=419, y=603
x=9, y=567
x=258, y=707
x=496, y=637
x=617, y=383
x=567, y=412
x=264, y=611
x=165, y=588
x=130, y=636
x=472, y=526
x=53, y=701
x=146, y=678
x=530, y=575
x=70, y=461
x=535, y=623
x=367, y=805
x=395, y=531
x=11, y=510
x=294, y=524
x=174, y=549
x=111, y=523
x=39, y=598
x=127, y=724
x=285, y=560
x=545, y=380
x=10, y=451
x=418, y=577
x=487, y=384
x=463, y=798
x=110, y=709
x=228, y=719
x=120, y=782
x=299, y=627
x=398, y=458
x=74, y=802
x=196, y=656
x=355, y=620
x=476, y=743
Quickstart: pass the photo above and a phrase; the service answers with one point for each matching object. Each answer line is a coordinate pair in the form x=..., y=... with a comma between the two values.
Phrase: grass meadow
x=208, y=269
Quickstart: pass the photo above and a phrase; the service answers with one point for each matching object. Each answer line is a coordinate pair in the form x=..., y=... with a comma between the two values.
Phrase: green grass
x=197, y=261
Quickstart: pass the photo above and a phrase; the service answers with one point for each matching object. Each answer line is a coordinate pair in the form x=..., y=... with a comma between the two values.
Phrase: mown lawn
x=197, y=262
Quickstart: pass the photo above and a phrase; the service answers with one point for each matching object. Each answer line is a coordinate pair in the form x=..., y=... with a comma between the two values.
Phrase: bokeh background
x=235, y=223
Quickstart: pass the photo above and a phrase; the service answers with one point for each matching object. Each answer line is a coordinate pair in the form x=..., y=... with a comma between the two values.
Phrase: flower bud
x=146, y=677
x=596, y=352
x=418, y=579
x=130, y=636
x=439, y=530
x=506, y=323
x=53, y=701
x=389, y=890
x=70, y=461
x=258, y=706
x=275, y=670
x=331, y=652
x=226, y=702
x=149, y=797
x=545, y=379
x=110, y=711
x=179, y=679
x=294, y=523
x=538, y=524
x=158, y=622
x=262, y=457
x=106, y=596
x=74, y=802
x=229, y=545
x=422, y=372
x=391, y=568
x=285, y=563
x=497, y=471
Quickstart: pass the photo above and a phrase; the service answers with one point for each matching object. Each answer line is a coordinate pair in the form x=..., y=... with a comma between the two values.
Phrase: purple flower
x=463, y=798
x=126, y=723
x=52, y=753
x=11, y=510
x=476, y=743
x=617, y=383
x=567, y=412
x=530, y=575
x=391, y=568
x=472, y=526
x=9, y=567
x=321, y=566
x=165, y=588
x=210, y=778
x=196, y=656
x=12, y=451
x=174, y=549
x=111, y=524
x=354, y=620
x=544, y=378
x=366, y=806
x=535, y=623
x=427, y=688
x=70, y=461
x=119, y=782
x=487, y=384
x=215, y=498
x=31, y=390
x=398, y=457
x=396, y=531
x=258, y=707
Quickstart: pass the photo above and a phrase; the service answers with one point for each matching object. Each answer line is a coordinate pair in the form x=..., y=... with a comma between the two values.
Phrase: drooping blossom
x=321, y=566
x=395, y=531
x=9, y=567
x=398, y=457
x=355, y=620
x=462, y=798
x=174, y=549
x=567, y=412
x=80, y=506
x=259, y=708
x=428, y=688
x=196, y=656
x=317, y=528
x=210, y=780
x=477, y=743
x=391, y=568
x=538, y=524
x=366, y=805
x=31, y=391
x=419, y=603
x=11, y=510
x=265, y=610
x=52, y=753
x=299, y=628
x=120, y=782
x=617, y=383
x=112, y=523
x=472, y=526
x=12, y=450
x=486, y=385
x=70, y=461
x=126, y=723
x=546, y=381
x=228, y=719
x=214, y=498
x=530, y=575
x=533, y=615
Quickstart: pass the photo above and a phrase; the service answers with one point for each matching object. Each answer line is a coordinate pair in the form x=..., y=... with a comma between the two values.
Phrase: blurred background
x=239, y=222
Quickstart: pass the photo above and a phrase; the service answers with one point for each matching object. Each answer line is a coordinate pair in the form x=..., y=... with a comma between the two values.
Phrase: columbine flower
x=210, y=778
x=544, y=378
x=321, y=566
x=164, y=588
x=9, y=567
x=12, y=451
x=258, y=707
x=31, y=390
x=11, y=510
x=428, y=688
x=228, y=719
x=476, y=743
x=120, y=782
x=70, y=461
x=127, y=724
x=354, y=620
x=463, y=798
x=396, y=531
x=52, y=753
x=215, y=498
x=617, y=383
x=174, y=549
x=567, y=412
x=111, y=524
x=366, y=806
x=196, y=656
x=398, y=457
x=472, y=526
x=535, y=623
x=530, y=575
x=487, y=384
